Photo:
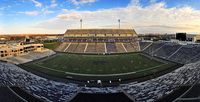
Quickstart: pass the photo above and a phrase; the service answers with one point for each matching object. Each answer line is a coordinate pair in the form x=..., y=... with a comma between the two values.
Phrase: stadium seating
x=167, y=50
x=143, y=45
x=186, y=53
x=120, y=48
x=195, y=58
x=128, y=47
x=72, y=47
x=91, y=48
x=131, y=46
x=153, y=47
x=46, y=90
x=111, y=48
x=154, y=89
x=80, y=48
x=174, y=51
x=135, y=46
x=100, y=48
x=62, y=47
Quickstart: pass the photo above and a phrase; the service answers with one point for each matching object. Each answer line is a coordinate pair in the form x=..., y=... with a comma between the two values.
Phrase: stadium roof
x=101, y=31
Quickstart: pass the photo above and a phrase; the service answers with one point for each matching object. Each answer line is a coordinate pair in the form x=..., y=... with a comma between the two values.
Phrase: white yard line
x=175, y=52
x=105, y=47
x=148, y=46
x=124, y=47
x=67, y=47
x=85, y=47
x=157, y=49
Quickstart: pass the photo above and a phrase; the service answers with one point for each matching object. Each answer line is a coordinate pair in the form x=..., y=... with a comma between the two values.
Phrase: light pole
x=81, y=23
x=119, y=23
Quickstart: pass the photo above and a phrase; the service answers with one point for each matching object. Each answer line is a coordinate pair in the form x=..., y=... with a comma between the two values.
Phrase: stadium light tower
x=81, y=23
x=119, y=23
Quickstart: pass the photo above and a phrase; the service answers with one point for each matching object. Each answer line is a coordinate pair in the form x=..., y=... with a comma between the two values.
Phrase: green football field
x=99, y=64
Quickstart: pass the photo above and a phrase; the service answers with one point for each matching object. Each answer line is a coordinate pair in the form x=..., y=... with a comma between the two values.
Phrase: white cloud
x=42, y=11
x=78, y=2
x=53, y=4
x=134, y=3
x=30, y=13
x=37, y=3
x=155, y=18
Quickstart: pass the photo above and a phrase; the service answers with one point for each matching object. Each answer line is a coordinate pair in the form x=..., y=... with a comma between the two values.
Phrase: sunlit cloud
x=154, y=18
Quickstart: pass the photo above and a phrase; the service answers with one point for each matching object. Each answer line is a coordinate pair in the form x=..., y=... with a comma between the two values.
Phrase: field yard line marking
x=85, y=47
x=175, y=52
x=157, y=49
x=105, y=47
x=147, y=46
x=123, y=47
x=67, y=47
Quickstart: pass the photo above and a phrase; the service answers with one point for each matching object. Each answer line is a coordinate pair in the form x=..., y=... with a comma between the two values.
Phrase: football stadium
x=107, y=55
x=101, y=65
x=151, y=54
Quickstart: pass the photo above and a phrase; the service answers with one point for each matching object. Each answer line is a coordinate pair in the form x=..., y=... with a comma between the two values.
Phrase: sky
x=56, y=16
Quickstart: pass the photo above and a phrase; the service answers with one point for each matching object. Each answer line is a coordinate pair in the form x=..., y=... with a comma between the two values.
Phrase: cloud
x=53, y=4
x=30, y=13
x=153, y=1
x=134, y=3
x=78, y=2
x=42, y=11
x=37, y=4
x=69, y=16
x=154, y=18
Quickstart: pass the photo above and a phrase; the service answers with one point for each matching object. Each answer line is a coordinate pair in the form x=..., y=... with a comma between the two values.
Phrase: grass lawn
x=51, y=45
x=100, y=64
